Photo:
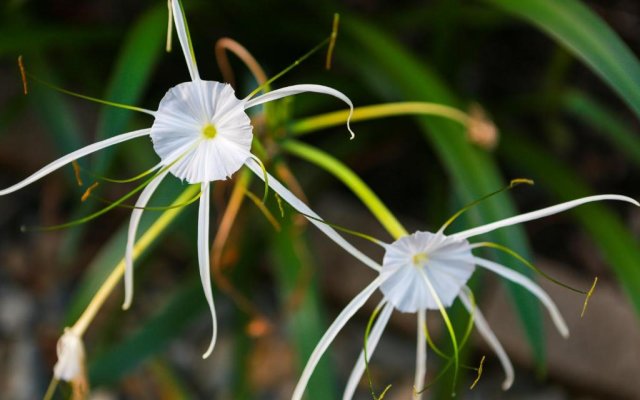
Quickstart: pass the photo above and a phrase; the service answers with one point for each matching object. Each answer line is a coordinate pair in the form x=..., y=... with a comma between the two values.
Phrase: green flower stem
x=378, y=111
x=349, y=178
x=141, y=245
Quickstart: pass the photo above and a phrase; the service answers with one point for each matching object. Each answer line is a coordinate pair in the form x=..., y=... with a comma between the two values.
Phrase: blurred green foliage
x=531, y=64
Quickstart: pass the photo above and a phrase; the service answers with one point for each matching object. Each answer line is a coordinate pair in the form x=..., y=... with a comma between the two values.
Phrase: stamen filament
x=152, y=208
x=367, y=331
x=512, y=184
x=265, y=211
x=89, y=98
x=448, y=324
x=289, y=68
x=106, y=209
x=528, y=264
x=345, y=230
x=475, y=382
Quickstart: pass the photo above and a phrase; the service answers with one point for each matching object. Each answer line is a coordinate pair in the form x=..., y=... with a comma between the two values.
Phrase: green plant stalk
x=351, y=180
x=141, y=245
x=378, y=111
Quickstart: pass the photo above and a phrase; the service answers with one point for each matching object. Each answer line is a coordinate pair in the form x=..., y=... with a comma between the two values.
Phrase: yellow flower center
x=420, y=259
x=209, y=131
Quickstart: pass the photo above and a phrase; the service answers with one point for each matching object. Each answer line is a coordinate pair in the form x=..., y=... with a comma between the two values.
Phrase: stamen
x=475, y=382
x=87, y=192
x=169, y=27
x=76, y=172
x=589, y=294
x=512, y=184
x=332, y=41
x=23, y=74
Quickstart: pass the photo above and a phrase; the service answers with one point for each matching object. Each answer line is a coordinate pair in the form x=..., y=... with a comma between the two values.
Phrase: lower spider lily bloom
x=202, y=134
x=428, y=271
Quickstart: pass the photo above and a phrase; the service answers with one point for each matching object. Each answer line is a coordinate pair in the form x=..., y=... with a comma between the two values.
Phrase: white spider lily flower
x=428, y=271
x=202, y=134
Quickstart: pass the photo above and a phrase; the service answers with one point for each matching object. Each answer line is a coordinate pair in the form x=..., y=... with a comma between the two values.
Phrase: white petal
x=372, y=343
x=540, y=214
x=421, y=355
x=331, y=333
x=185, y=40
x=491, y=339
x=61, y=162
x=203, y=260
x=448, y=265
x=134, y=221
x=297, y=89
x=183, y=112
x=299, y=206
x=532, y=287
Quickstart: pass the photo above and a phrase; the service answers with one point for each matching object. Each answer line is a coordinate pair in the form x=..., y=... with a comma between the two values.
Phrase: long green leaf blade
x=589, y=38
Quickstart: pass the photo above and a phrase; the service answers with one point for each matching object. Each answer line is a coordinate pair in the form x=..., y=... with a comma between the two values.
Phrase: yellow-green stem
x=378, y=111
x=141, y=245
x=351, y=180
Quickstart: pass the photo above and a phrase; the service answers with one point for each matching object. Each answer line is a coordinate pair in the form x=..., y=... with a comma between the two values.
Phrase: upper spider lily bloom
x=202, y=134
x=428, y=271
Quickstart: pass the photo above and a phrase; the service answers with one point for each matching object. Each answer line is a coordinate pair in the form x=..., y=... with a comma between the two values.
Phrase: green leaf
x=139, y=55
x=604, y=121
x=351, y=180
x=589, y=38
x=294, y=267
x=609, y=234
x=180, y=310
x=396, y=73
